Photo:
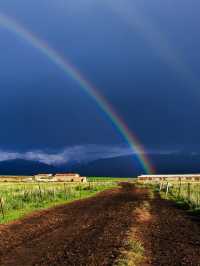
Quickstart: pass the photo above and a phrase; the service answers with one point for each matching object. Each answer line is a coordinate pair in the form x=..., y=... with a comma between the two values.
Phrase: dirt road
x=93, y=231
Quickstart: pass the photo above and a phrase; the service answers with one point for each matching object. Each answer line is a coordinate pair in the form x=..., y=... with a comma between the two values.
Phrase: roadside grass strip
x=19, y=199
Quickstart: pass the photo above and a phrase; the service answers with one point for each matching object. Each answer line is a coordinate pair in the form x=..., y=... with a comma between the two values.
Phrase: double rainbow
x=70, y=70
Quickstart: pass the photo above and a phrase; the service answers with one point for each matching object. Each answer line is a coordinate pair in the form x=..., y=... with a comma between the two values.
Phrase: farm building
x=69, y=177
x=10, y=178
x=43, y=177
x=189, y=177
x=65, y=177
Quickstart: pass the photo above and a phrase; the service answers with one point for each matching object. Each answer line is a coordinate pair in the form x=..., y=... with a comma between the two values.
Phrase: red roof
x=67, y=174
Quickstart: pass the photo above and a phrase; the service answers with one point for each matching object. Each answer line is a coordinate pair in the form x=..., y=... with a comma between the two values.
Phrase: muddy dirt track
x=93, y=231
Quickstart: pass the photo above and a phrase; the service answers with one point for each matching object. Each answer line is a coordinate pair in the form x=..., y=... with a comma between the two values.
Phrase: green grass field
x=110, y=179
x=184, y=193
x=18, y=199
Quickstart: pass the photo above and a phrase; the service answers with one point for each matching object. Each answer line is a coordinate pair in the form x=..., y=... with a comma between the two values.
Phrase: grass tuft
x=132, y=255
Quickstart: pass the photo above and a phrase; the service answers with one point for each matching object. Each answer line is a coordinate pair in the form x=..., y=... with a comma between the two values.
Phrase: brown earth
x=93, y=232
x=169, y=236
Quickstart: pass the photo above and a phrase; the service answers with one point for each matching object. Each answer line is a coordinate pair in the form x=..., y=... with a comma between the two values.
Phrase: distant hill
x=176, y=163
x=124, y=166
x=129, y=165
x=24, y=167
x=120, y=166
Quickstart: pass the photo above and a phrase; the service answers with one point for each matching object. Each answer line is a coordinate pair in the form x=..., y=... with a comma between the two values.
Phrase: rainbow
x=13, y=26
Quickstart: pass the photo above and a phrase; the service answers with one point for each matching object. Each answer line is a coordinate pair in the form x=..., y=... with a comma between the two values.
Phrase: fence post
x=69, y=195
x=40, y=191
x=80, y=191
x=1, y=205
x=167, y=189
x=198, y=192
x=188, y=192
x=65, y=191
x=161, y=184
x=179, y=189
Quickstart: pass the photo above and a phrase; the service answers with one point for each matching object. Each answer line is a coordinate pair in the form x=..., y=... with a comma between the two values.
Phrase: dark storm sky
x=142, y=55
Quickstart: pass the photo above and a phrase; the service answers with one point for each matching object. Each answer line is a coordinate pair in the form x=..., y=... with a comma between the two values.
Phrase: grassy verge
x=182, y=204
x=133, y=252
x=19, y=199
x=110, y=179
x=184, y=198
x=132, y=255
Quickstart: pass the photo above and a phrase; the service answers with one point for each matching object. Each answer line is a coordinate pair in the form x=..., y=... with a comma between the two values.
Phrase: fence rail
x=188, y=192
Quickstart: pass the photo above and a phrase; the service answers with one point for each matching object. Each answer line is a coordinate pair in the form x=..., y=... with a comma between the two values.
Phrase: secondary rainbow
x=13, y=26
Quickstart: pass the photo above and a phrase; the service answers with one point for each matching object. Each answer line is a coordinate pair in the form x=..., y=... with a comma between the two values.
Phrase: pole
x=167, y=188
x=1, y=205
x=189, y=192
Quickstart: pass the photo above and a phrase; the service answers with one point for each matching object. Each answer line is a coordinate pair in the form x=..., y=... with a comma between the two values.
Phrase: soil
x=93, y=232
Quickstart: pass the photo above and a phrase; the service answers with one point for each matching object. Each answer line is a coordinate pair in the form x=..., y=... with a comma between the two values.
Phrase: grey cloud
x=76, y=153
x=79, y=153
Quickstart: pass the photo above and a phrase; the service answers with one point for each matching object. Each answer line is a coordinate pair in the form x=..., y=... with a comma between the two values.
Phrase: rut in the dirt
x=93, y=231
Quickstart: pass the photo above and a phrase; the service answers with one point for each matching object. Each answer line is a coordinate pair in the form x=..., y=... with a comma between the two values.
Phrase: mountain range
x=123, y=166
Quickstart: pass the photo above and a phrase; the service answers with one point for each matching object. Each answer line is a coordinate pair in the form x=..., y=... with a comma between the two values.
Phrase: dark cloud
x=146, y=64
